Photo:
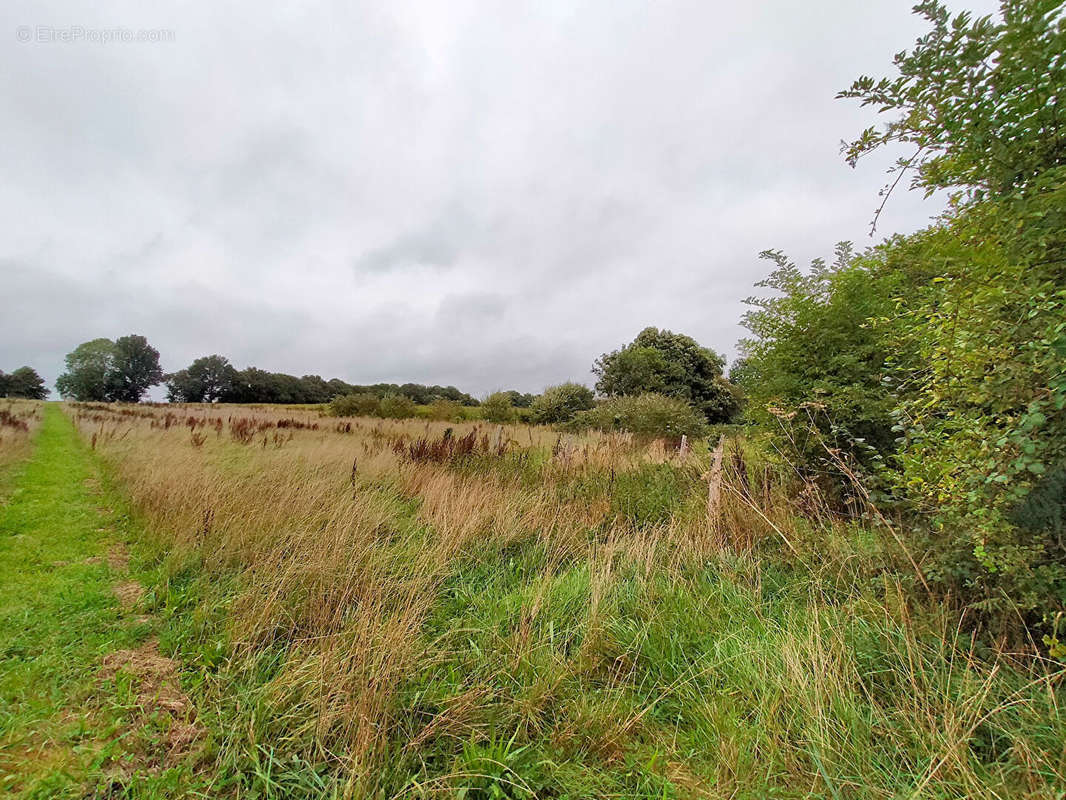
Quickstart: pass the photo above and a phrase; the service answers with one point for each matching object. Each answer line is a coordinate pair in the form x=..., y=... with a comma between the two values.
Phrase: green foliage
x=397, y=406
x=88, y=368
x=980, y=405
x=976, y=99
x=936, y=359
x=444, y=410
x=104, y=371
x=362, y=404
x=673, y=364
x=497, y=407
x=561, y=403
x=812, y=347
x=207, y=380
x=647, y=415
x=518, y=399
x=23, y=382
x=134, y=369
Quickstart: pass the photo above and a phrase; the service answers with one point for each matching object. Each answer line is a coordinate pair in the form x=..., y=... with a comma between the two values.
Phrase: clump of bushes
x=648, y=415
x=445, y=410
x=560, y=404
x=360, y=404
x=397, y=406
x=497, y=407
x=365, y=404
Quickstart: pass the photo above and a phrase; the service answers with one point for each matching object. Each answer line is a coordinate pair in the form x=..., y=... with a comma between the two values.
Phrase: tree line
x=656, y=362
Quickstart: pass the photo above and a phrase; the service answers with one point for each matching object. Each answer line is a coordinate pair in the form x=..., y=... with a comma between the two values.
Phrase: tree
x=89, y=367
x=23, y=382
x=561, y=403
x=104, y=371
x=135, y=369
x=672, y=364
x=207, y=380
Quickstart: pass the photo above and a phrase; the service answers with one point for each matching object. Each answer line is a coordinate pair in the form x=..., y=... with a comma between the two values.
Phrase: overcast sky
x=487, y=194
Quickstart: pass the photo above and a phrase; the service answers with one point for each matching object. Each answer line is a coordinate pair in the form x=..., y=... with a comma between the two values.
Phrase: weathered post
x=714, y=487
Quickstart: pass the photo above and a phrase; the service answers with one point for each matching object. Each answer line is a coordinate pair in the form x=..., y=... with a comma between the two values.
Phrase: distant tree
x=338, y=388
x=314, y=389
x=25, y=382
x=104, y=371
x=518, y=399
x=207, y=380
x=671, y=364
x=497, y=408
x=561, y=403
x=89, y=367
x=5, y=383
x=134, y=370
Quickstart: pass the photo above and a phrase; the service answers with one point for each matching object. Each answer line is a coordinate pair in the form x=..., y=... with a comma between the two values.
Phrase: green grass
x=63, y=730
x=550, y=676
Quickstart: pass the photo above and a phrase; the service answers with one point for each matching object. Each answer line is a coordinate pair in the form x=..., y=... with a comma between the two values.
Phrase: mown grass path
x=61, y=553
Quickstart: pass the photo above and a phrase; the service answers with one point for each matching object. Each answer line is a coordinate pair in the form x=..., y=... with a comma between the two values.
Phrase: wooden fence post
x=714, y=487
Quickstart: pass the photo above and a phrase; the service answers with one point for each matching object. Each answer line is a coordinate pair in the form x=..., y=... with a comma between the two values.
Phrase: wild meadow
x=836, y=570
x=375, y=608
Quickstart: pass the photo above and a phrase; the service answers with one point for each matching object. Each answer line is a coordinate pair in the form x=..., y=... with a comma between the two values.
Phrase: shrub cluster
x=647, y=415
x=365, y=404
x=934, y=361
x=559, y=404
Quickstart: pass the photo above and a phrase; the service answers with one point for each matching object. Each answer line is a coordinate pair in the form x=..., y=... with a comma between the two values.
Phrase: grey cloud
x=474, y=193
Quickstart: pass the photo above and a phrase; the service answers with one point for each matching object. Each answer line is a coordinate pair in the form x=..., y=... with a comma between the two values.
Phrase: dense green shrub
x=497, y=408
x=444, y=410
x=397, y=406
x=560, y=403
x=815, y=364
x=936, y=359
x=361, y=404
x=650, y=415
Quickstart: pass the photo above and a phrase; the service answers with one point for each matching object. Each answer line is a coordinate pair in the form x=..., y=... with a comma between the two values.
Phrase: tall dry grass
x=18, y=420
x=410, y=621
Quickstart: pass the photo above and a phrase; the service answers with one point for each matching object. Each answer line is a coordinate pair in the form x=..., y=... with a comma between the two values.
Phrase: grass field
x=320, y=607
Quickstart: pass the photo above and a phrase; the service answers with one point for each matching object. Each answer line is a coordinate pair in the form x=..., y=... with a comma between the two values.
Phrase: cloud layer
x=481, y=193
